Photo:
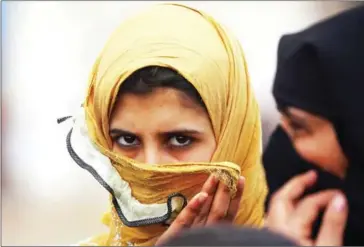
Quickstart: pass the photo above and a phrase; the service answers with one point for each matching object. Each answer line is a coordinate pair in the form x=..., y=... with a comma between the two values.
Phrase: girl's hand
x=294, y=217
x=212, y=205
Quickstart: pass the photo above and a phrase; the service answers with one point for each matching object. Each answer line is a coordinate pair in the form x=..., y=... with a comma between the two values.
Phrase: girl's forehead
x=162, y=109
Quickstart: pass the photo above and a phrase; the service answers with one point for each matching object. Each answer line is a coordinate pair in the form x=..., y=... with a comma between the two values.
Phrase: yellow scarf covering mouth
x=212, y=60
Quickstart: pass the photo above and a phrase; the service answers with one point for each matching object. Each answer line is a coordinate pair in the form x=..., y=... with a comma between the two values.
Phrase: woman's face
x=314, y=138
x=164, y=126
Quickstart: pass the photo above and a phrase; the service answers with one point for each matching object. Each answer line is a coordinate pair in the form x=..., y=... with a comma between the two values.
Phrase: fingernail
x=241, y=180
x=202, y=197
x=339, y=203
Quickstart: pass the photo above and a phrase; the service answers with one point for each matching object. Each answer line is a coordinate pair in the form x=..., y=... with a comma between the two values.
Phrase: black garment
x=229, y=236
x=281, y=163
x=321, y=70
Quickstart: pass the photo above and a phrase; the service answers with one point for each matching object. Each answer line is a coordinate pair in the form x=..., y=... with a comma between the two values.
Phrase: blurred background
x=48, y=50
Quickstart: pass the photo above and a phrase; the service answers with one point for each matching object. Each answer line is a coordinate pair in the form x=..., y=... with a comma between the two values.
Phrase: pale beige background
x=48, y=51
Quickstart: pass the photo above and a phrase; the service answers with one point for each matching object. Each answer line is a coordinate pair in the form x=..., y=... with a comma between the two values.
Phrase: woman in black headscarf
x=319, y=91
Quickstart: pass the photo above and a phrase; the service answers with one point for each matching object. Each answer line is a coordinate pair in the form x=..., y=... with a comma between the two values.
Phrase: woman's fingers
x=333, y=225
x=220, y=204
x=307, y=212
x=218, y=194
x=294, y=217
x=210, y=187
x=235, y=202
x=295, y=187
x=282, y=204
x=185, y=218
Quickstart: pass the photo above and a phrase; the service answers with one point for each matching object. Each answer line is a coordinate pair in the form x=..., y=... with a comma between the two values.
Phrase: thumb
x=333, y=225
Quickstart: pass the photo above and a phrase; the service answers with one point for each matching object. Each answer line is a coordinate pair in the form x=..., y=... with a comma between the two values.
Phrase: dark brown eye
x=296, y=126
x=180, y=141
x=127, y=140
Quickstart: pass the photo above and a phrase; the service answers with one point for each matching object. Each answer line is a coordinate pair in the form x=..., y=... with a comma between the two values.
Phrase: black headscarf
x=229, y=236
x=321, y=70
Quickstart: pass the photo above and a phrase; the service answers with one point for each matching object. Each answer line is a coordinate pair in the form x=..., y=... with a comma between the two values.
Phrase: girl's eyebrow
x=116, y=131
x=184, y=131
x=176, y=132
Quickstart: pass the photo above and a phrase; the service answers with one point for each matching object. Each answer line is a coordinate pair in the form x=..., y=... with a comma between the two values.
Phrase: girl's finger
x=185, y=218
x=307, y=211
x=295, y=187
x=235, y=202
x=333, y=225
x=220, y=204
x=210, y=187
x=283, y=201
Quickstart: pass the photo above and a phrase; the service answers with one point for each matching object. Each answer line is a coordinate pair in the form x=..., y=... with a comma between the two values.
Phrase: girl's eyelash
x=189, y=142
x=167, y=141
x=185, y=136
x=116, y=137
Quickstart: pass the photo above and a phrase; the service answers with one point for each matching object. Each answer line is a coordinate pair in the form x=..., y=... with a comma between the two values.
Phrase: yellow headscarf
x=209, y=57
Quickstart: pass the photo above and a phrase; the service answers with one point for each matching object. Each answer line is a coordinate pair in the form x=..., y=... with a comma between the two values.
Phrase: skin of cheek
x=323, y=149
x=319, y=145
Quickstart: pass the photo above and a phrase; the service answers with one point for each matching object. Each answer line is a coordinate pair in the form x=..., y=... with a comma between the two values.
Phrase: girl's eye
x=128, y=141
x=297, y=126
x=180, y=141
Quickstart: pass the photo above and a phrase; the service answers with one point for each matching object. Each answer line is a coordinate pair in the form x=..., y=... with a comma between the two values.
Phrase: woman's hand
x=212, y=205
x=294, y=217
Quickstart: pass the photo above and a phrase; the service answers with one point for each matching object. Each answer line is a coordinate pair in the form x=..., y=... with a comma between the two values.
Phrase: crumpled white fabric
x=132, y=209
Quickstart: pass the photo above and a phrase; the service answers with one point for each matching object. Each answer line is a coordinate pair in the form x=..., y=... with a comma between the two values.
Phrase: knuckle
x=203, y=214
x=183, y=223
x=217, y=214
x=200, y=221
x=191, y=210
